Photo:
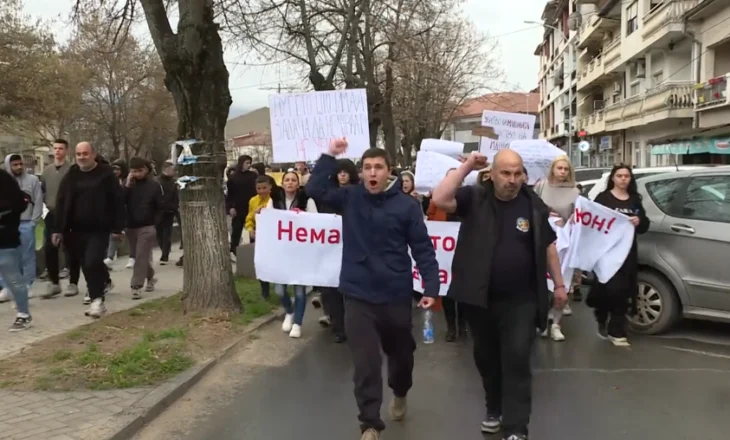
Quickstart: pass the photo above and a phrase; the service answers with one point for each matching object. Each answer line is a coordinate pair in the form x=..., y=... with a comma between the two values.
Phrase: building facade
x=557, y=77
x=469, y=115
x=641, y=67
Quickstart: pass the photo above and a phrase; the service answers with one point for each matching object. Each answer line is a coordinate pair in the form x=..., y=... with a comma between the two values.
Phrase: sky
x=251, y=86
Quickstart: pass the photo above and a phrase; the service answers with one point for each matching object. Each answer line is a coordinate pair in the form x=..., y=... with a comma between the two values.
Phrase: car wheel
x=657, y=304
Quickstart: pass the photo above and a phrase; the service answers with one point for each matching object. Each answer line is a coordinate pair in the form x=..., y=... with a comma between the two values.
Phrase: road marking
x=631, y=370
x=700, y=352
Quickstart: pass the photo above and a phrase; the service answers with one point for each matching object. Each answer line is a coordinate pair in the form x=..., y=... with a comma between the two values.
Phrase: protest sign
x=509, y=127
x=306, y=249
x=536, y=154
x=447, y=148
x=431, y=168
x=303, y=124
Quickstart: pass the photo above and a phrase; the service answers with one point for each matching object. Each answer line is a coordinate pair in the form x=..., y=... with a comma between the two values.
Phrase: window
x=635, y=88
x=657, y=78
x=632, y=21
x=707, y=199
x=664, y=192
x=647, y=155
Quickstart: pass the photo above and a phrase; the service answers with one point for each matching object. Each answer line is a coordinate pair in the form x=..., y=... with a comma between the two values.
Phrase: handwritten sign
x=508, y=126
x=447, y=148
x=431, y=168
x=537, y=155
x=303, y=124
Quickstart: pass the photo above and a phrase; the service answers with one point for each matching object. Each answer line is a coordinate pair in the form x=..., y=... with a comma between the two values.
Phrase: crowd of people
x=91, y=205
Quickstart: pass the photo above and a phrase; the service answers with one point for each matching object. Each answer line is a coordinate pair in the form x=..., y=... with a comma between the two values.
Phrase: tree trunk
x=386, y=111
x=198, y=80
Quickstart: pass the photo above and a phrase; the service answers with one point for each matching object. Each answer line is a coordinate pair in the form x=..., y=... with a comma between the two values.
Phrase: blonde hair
x=571, y=171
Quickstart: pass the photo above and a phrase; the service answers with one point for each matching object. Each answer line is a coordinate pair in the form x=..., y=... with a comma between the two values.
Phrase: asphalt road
x=584, y=388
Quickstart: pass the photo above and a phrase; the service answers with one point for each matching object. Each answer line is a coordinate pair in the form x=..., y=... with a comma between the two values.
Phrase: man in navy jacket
x=379, y=224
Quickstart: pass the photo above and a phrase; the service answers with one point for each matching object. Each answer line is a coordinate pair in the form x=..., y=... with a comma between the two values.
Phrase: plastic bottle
x=428, y=337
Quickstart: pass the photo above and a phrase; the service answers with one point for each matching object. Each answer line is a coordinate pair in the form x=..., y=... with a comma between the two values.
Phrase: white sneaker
x=130, y=263
x=567, y=311
x=109, y=262
x=72, y=290
x=296, y=331
x=556, y=333
x=97, y=309
x=545, y=333
x=325, y=321
x=5, y=295
x=87, y=299
x=288, y=323
x=619, y=342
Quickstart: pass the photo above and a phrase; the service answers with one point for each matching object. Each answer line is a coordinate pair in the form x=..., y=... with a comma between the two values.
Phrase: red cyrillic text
x=447, y=243
x=307, y=235
x=443, y=277
x=594, y=221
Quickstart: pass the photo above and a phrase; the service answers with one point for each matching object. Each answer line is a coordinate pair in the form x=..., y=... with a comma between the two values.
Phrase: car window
x=708, y=199
x=664, y=192
x=586, y=189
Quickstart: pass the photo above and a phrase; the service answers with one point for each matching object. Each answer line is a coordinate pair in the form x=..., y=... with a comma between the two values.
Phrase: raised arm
x=444, y=195
x=320, y=186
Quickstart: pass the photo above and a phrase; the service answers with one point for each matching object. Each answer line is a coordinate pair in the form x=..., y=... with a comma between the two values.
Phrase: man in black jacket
x=90, y=207
x=13, y=203
x=241, y=187
x=143, y=199
x=170, y=206
x=505, y=230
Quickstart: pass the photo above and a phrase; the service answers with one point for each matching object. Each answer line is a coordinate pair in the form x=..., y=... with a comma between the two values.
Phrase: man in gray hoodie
x=31, y=186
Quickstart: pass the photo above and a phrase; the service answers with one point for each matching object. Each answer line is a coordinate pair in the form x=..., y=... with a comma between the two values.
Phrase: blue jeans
x=10, y=271
x=300, y=301
x=27, y=253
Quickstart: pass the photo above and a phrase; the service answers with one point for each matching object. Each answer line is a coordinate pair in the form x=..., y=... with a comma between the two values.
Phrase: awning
x=694, y=146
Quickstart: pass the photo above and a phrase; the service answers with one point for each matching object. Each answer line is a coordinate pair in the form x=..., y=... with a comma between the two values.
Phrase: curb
x=133, y=419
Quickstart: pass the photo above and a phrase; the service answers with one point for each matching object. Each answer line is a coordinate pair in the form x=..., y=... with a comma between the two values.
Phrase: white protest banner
x=447, y=148
x=536, y=154
x=443, y=236
x=305, y=249
x=431, y=168
x=509, y=127
x=303, y=124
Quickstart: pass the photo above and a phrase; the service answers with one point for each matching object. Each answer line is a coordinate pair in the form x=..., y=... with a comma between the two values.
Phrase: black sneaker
x=163, y=261
x=603, y=330
x=451, y=335
x=340, y=338
x=21, y=323
x=491, y=424
x=63, y=274
x=179, y=262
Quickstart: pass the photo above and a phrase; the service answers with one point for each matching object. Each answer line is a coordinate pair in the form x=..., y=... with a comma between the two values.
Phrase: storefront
x=699, y=151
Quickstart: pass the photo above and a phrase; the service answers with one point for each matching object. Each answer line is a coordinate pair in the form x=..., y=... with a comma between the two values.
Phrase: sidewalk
x=71, y=415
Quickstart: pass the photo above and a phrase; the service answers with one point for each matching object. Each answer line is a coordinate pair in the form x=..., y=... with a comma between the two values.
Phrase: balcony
x=592, y=30
x=591, y=72
x=713, y=93
x=593, y=123
x=612, y=53
x=667, y=101
x=664, y=22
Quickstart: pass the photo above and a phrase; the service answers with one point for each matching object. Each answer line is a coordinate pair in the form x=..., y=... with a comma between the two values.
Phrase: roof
x=511, y=102
x=256, y=121
x=252, y=140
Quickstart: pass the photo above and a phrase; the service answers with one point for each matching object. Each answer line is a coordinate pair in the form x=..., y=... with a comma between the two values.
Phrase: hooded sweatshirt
x=13, y=202
x=241, y=188
x=377, y=230
x=30, y=185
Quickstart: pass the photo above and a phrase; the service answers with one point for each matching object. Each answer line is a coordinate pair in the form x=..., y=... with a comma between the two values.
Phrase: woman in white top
x=293, y=198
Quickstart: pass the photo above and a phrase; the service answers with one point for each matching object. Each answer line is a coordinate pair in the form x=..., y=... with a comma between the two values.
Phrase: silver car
x=684, y=258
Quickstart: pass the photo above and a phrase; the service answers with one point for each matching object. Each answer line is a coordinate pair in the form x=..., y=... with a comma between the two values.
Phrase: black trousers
x=370, y=328
x=178, y=217
x=454, y=313
x=237, y=224
x=51, y=254
x=504, y=334
x=334, y=306
x=164, y=234
x=89, y=249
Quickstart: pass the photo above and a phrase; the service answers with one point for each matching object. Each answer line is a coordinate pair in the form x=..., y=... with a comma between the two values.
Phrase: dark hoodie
x=342, y=165
x=90, y=201
x=170, y=196
x=377, y=230
x=13, y=202
x=241, y=187
x=123, y=168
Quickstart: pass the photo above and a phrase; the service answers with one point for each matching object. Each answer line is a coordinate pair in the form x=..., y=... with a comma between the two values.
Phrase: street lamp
x=570, y=85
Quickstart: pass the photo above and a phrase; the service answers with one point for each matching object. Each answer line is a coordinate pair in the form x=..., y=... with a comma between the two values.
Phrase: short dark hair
x=15, y=158
x=264, y=179
x=137, y=163
x=61, y=141
x=374, y=153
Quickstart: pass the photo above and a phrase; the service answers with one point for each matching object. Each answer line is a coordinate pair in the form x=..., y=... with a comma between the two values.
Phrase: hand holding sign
x=338, y=146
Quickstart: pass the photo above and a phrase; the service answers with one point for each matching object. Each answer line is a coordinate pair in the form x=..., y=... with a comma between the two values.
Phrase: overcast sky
x=251, y=86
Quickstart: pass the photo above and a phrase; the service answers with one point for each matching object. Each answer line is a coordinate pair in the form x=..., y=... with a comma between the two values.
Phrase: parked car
x=586, y=186
x=582, y=174
x=641, y=172
x=683, y=258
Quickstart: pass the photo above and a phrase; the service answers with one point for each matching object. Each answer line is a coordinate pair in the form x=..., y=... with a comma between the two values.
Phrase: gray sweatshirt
x=51, y=179
x=559, y=197
x=30, y=185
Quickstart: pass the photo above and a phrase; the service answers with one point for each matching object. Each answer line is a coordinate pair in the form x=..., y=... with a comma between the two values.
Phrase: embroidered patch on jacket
x=523, y=225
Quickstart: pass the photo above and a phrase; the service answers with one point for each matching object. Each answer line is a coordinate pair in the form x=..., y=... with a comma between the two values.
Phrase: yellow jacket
x=255, y=203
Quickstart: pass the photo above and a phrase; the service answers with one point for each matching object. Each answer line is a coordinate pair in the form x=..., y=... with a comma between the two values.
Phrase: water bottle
x=428, y=327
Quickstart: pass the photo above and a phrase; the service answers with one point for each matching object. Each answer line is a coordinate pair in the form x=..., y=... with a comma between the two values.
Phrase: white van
x=600, y=186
